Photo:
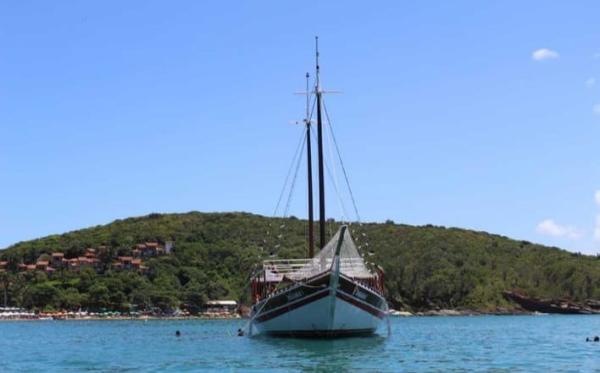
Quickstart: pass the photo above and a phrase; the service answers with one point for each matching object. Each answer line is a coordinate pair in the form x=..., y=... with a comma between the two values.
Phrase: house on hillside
x=130, y=263
x=138, y=265
x=152, y=249
x=85, y=262
x=123, y=262
x=57, y=260
x=90, y=253
x=149, y=249
x=72, y=264
x=44, y=265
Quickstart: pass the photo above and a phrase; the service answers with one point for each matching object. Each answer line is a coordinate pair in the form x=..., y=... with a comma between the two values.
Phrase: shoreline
x=434, y=313
x=24, y=315
x=123, y=318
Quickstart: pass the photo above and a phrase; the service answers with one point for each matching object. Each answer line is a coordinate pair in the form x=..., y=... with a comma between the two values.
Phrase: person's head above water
x=177, y=333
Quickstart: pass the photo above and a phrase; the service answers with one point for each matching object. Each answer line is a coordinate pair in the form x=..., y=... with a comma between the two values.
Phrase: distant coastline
x=111, y=316
x=236, y=316
x=114, y=318
x=163, y=262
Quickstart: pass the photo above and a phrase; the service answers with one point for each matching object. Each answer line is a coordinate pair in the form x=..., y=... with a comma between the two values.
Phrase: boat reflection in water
x=338, y=355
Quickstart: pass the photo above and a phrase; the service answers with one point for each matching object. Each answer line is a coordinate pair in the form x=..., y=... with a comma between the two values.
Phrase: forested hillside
x=214, y=253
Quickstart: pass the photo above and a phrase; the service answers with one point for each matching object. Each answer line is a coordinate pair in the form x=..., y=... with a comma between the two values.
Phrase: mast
x=320, y=146
x=311, y=223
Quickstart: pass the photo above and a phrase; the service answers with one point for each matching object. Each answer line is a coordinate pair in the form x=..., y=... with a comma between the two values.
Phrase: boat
x=331, y=293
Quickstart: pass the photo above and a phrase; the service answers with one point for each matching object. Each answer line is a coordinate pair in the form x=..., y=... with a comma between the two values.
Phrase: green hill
x=214, y=253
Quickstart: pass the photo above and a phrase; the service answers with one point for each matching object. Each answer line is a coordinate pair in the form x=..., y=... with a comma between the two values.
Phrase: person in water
x=177, y=333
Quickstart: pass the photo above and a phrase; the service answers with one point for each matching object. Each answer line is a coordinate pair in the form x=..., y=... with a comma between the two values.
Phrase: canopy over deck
x=351, y=263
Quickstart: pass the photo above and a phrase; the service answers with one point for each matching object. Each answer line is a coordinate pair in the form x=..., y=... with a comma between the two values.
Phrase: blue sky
x=472, y=114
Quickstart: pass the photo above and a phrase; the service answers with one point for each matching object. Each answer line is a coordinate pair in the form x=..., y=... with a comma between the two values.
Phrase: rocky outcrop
x=560, y=306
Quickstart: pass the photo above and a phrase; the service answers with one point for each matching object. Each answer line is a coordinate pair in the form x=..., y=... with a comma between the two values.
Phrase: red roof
x=58, y=255
x=42, y=262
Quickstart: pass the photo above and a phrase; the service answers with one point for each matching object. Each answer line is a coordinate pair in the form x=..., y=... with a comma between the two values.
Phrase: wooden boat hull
x=316, y=309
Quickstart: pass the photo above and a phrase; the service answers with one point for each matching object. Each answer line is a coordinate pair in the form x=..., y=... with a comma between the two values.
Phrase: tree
x=41, y=295
x=426, y=266
x=194, y=296
x=99, y=296
x=71, y=299
x=6, y=279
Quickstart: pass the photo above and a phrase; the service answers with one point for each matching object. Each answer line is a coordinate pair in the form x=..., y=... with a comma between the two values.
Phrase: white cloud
x=551, y=228
x=544, y=54
x=596, y=109
x=590, y=82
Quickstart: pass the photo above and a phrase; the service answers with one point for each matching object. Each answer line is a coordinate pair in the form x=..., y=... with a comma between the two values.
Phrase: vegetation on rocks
x=426, y=267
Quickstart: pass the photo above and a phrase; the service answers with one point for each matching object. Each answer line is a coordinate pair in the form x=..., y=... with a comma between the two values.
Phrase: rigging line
x=285, y=184
x=337, y=192
x=341, y=162
x=293, y=185
x=335, y=179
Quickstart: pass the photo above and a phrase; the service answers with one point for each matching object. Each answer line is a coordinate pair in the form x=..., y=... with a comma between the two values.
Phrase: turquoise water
x=419, y=344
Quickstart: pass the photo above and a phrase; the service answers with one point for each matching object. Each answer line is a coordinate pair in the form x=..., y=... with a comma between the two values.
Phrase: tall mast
x=311, y=223
x=320, y=146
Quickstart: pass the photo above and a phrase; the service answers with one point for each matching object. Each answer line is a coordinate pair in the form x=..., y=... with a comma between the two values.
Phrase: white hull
x=330, y=304
x=321, y=314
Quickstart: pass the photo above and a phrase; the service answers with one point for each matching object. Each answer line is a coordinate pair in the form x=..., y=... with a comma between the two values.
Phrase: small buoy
x=178, y=333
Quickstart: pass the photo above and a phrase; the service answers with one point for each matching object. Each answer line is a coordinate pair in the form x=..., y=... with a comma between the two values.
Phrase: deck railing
x=275, y=270
x=302, y=268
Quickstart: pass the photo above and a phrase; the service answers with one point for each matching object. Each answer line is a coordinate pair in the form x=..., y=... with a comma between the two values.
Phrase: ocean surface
x=416, y=344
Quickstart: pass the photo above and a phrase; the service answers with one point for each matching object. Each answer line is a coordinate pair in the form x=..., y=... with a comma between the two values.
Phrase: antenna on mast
x=307, y=119
x=317, y=61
